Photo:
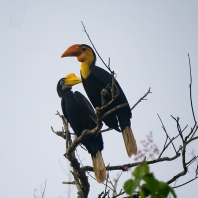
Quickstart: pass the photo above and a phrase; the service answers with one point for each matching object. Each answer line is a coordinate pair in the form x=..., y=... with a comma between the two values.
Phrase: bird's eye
x=62, y=82
x=83, y=48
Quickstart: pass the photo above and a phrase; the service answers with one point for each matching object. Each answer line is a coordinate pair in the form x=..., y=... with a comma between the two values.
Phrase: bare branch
x=105, y=130
x=185, y=183
x=44, y=189
x=125, y=167
x=191, y=91
x=34, y=193
x=59, y=133
x=115, y=184
x=171, y=141
x=79, y=171
x=196, y=171
x=119, y=194
x=142, y=98
x=191, y=161
x=107, y=66
x=112, y=110
x=106, y=181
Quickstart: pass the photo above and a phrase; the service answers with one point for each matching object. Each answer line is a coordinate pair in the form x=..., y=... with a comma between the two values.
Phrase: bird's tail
x=129, y=141
x=99, y=167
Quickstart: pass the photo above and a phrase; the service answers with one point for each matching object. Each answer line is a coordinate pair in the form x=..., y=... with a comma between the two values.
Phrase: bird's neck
x=85, y=69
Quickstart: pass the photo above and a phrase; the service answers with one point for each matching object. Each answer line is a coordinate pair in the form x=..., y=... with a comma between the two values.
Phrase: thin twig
x=165, y=146
x=59, y=133
x=184, y=141
x=44, y=189
x=196, y=171
x=108, y=67
x=121, y=193
x=89, y=173
x=191, y=90
x=73, y=182
x=178, y=127
x=116, y=182
x=35, y=192
x=185, y=183
x=191, y=161
x=106, y=180
x=105, y=130
x=142, y=98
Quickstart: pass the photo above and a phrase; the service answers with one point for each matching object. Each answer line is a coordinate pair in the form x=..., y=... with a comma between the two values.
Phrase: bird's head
x=84, y=53
x=65, y=84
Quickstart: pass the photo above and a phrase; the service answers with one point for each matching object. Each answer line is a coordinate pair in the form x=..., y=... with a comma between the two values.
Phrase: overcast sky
x=148, y=43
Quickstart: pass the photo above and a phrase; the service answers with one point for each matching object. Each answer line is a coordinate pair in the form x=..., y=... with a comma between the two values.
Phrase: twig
x=106, y=180
x=90, y=174
x=196, y=171
x=63, y=120
x=185, y=183
x=79, y=175
x=142, y=98
x=178, y=127
x=191, y=91
x=191, y=161
x=112, y=110
x=113, y=83
x=35, y=192
x=125, y=167
x=115, y=184
x=165, y=146
x=108, y=67
x=44, y=189
x=59, y=133
x=109, y=103
x=184, y=142
x=73, y=182
x=121, y=193
x=105, y=130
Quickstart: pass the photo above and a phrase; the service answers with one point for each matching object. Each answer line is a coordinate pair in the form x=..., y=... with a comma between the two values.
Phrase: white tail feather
x=99, y=168
x=129, y=141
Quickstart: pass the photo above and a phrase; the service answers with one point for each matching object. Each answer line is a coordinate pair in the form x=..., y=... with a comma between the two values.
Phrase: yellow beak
x=72, y=79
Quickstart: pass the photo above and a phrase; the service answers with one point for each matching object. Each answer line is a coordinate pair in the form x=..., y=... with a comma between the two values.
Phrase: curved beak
x=72, y=79
x=74, y=50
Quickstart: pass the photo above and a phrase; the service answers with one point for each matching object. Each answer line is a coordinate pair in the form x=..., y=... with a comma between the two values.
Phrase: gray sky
x=147, y=42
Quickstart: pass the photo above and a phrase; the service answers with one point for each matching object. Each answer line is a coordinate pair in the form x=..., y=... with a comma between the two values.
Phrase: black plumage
x=95, y=79
x=79, y=113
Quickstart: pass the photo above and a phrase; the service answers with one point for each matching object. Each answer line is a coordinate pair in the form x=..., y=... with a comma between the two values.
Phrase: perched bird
x=79, y=113
x=95, y=79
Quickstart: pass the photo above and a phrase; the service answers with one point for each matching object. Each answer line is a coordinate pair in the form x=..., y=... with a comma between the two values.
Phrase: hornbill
x=80, y=114
x=94, y=80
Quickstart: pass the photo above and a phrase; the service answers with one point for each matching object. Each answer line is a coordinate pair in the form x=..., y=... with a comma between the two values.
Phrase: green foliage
x=150, y=185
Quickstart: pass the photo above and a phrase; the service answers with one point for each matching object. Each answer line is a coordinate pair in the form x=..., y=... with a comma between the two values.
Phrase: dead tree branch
x=107, y=66
x=142, y=98
x=125, y=167
x=79, y=171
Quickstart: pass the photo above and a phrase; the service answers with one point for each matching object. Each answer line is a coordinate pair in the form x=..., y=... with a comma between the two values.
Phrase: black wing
x=64, y=109
x=93, y=144
x=86, y=108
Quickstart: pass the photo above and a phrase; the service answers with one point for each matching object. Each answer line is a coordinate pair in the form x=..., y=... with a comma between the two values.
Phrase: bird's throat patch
x=85, y=70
